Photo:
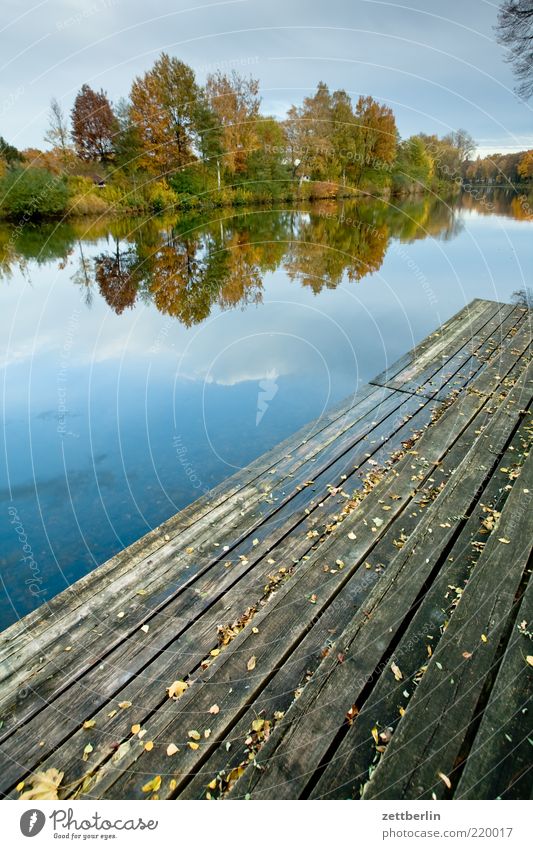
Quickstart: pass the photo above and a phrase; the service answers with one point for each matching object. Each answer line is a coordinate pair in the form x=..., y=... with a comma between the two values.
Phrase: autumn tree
x=376, y=138
x=93, y=125
x=164, y=110
x=515, y=31
x=525, y=166
x=235, y=100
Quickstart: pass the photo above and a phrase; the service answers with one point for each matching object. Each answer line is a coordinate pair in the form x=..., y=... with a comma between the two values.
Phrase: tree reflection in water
x=186, y=267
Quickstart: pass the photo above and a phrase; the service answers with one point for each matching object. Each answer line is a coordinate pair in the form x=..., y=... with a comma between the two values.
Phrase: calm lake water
x=143, y=362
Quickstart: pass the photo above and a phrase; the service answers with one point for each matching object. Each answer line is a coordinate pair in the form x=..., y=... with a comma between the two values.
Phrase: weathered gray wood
x=307, y=658
x=309, y=728
x=288, y=616
x=439, y=347
x=183, y=606
x=499, y=762
x=92, y=647
x=348, y=767
x=428, y=742
x=31, y=626
x=167, y=633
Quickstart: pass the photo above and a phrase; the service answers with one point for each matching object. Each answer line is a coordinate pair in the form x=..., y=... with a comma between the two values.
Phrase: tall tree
x=376, y=137
x=127, y=143
x=57, y=133
x=235, y=99
x=515, y=31
x=309, y=128
x=93, y=125
x=164, y=110
x=344, y=135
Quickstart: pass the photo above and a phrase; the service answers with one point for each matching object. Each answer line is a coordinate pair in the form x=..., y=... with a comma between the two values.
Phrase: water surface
x=144, y=361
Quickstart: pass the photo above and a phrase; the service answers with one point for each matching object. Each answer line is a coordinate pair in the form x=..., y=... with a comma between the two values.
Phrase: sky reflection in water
x=143, y=362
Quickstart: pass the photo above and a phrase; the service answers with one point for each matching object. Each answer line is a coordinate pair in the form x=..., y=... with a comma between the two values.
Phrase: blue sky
x=438, y=65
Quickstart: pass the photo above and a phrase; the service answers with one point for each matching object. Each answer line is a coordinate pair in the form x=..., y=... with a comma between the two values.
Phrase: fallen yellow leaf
x=251, y=663
x=445, y=779
x=44, y=785
x=177, y=689
x=153, y=785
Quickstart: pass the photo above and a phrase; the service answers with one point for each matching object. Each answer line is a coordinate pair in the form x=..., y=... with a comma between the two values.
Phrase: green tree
x=8, y=153
x=32, y=193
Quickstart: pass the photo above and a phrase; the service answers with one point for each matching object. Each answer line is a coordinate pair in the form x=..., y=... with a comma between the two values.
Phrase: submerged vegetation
x=176, y=145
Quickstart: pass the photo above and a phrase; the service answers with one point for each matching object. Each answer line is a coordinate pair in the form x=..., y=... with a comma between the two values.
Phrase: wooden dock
x=348, y=617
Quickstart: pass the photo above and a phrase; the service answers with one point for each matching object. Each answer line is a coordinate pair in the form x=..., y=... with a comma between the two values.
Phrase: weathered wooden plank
x=429, y=739
x=499, y=762
x=183, y=610
x=443, y=344
x=92, y=647
x=75, y=598
x=349, y=764
x=168, y=635
x=224, y=516
x=308, y=729
x=463, y=366
x=289, y=616
x=278, y=694
x=30, y=627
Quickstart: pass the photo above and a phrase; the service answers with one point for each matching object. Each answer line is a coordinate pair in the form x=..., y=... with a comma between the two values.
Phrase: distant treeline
x=174, y=144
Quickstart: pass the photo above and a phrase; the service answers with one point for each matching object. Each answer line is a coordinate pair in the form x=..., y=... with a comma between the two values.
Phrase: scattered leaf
x=89, y=723
x=124, y=705
x=504, y=540
x=145, y=628
x=44, y=785
x=251, y=663
x=172, y=749
x=214, y=709
x=149, y=745
x=195, y=735
x=396, y=671
x=257, y=724
x=192, y=745
x=152, y=786
x=135, y=728
x=86, y=752
x=177, y=689
x=445, y=779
